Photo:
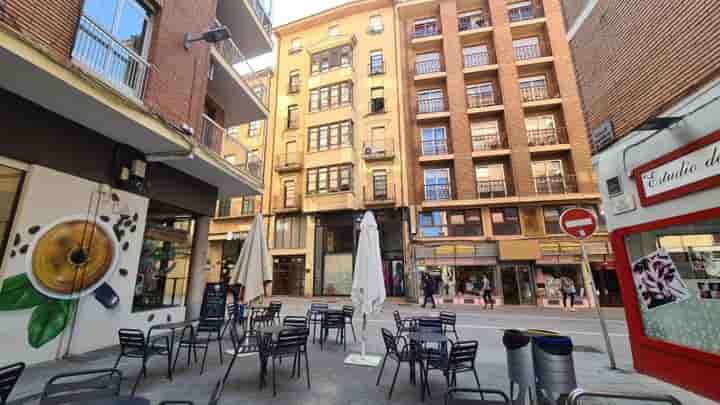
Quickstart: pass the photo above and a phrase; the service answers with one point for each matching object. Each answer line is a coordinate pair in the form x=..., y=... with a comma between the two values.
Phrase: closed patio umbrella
x=254, y=267
x=368, y=290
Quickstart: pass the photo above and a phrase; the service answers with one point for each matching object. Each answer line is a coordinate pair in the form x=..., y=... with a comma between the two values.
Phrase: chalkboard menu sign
x=214, y=301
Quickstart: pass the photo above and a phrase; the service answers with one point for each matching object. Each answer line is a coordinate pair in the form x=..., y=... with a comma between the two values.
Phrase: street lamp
x=210, y=36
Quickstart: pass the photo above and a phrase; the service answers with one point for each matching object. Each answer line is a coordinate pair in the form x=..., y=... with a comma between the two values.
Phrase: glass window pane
x=10, y=183
x=102, y=12
x=132, y=26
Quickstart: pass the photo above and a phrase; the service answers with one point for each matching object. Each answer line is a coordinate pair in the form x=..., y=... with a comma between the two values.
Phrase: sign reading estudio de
x=692, y=168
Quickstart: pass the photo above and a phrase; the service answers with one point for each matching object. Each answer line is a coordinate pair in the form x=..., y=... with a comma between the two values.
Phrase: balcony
x=475, y=59
x=288, y=162
x=494, y=189
x=211, y=135
x=105, y=57
x=488, y=142
x=538, y=95
x=547, y=136
x=231, y=89
x=426, y=30
x=561, y=184
x=524, y=13
x=481, y=99
x=215, y=138
x=379, y=149
x=469, y=23
x=249, y=23
x=376, y=68
x=432, y=107
x=430, y=68
x=379, y=193
x=283, y=204
x=437, y=192
x=435, y=148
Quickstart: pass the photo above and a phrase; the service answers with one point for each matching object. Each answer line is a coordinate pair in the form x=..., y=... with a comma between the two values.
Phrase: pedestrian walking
x=428, y=291
x=567, y=286
x=487, y=290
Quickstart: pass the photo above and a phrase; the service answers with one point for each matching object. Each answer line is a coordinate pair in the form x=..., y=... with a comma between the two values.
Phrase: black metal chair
x=274, y=312
x=260, y=317
x=295, y=322
x=177, y=403
x=460, y=360
x=349, y=312
x=449, y=319
x=403, y=325
x=290, y=343
x=9, y=375
x=191, y=338
x=246, y=343
x=458, y=396
x=134, y=345
x=315, y=316
x=430, y=325
x=399, y=355
x=85, y=386
x=333, y=320
x=233, y=318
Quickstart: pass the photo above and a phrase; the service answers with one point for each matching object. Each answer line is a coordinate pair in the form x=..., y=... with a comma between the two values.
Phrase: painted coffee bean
x=125, y=246
x=123, y=272
x=34, y=229
x=24, y=249
x=105, y=218
x=17, y=240
x=151, y=317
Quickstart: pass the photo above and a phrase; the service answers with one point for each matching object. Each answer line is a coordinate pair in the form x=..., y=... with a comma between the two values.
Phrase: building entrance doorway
x=518, y=284
x=606, y=282
x=289, y=276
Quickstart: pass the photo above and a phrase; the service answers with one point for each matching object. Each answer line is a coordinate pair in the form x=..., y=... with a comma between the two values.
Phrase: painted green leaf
x=18, y=293
x=48, y=320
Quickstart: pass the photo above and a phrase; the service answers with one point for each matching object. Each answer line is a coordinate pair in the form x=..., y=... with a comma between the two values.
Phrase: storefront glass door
x=289, y=276
x=518, y=284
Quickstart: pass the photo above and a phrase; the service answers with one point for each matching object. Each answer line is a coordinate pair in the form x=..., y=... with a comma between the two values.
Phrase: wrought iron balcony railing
x=536, y=93
x=379, y=192
x=477, y=58
x=487, y=142
x=435, y=192
x=547, y=136
x=377, y=149
x=481, y=99
x=472, y=22
x=524, y=13
x=426, y=30
x=288, y=161
x=565, y=184
x=211, y=134
x=494, y=188
x=431, y=105
x=427, y=67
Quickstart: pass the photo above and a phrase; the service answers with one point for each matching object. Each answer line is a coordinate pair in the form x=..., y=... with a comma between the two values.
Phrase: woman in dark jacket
x=428, y=289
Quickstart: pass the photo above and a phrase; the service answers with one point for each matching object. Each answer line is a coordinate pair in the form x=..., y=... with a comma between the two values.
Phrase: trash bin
x=520, y=366
x=554, y=367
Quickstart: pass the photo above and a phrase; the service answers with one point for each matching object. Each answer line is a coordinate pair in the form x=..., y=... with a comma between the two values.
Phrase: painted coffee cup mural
x=51, y=267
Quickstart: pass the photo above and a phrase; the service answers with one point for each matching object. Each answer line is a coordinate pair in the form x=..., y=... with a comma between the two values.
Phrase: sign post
x=581, y=224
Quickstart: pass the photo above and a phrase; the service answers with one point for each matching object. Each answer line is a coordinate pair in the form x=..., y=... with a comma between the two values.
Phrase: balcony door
x=380, y=185
x=434, y=141
x=480, y=95
x=376, y=143
x=541, y=130
x=491, y=181
x=437, y=184
x=485, y=135
x=533, y=88
x=289, y=195
x=549, y=176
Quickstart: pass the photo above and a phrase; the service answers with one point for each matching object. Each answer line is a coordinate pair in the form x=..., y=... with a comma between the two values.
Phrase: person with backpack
x=567, y=287
x=487, y=292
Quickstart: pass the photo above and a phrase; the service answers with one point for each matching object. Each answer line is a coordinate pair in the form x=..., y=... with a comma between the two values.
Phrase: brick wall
x=633, y=61
x=572, y=9
x=52, y=23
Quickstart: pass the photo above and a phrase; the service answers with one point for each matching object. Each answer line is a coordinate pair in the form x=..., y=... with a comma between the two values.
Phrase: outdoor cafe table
x=422, y=338
x=117, y=401
x=172, y=327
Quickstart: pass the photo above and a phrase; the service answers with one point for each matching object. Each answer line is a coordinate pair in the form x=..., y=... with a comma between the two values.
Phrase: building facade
x=496, y=151
x=656, y=137
x=336, y=149
x=115, y=116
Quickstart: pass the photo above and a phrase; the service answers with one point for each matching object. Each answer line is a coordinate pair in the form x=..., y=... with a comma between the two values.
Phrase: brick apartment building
x=497, y=150
x=649, y=76
x=110, y=161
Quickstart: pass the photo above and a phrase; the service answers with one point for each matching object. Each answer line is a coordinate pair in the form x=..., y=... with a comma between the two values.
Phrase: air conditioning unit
x=368, y=150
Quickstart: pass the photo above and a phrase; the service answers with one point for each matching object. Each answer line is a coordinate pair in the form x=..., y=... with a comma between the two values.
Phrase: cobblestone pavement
x=335, y=383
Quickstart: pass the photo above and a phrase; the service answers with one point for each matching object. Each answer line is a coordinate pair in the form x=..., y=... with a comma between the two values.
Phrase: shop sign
x=692, y=168
x=601, y=136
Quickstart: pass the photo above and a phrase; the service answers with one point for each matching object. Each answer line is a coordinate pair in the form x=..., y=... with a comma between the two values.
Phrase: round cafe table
x=422, y=338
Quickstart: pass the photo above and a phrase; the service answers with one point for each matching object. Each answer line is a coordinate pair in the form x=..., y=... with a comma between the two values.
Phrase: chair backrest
x=448, y=318
x=334, y=319
x=390, y=342
x=398, y=319
x=317, y=306
x=212, y=325
x=291, y=340
x=231, y=310
x=463, y=353
x=133, y=339
x=349, y=311
x=295, y=322
x=430, y=325
x=88, y=386
x=9, y=375
x=275, y=307
x=177, y=403
x=474, y=396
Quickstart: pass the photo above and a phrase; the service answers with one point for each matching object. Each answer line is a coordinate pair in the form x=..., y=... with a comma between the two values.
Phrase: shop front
x=661, y=192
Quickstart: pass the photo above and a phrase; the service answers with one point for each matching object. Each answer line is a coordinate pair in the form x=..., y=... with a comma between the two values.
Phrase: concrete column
x=198, y=268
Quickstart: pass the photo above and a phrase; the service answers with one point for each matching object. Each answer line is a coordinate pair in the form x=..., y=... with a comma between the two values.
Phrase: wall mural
x=68, y=251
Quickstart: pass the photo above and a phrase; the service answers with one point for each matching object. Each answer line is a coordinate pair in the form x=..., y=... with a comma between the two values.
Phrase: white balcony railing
x=213, y=136
x=109, y=59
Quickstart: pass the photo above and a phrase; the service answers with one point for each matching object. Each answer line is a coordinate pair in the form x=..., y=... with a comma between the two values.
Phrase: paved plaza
x=335, y=383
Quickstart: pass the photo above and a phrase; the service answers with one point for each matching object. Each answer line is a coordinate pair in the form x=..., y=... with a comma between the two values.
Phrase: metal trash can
x=521, y=371
x=554, y=367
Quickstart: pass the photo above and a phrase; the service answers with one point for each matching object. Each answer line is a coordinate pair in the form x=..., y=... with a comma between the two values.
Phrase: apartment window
x=433, y=224
x=224, y=206
x=331, y=179
x=334, y=30
x=505, y=221
x=377, y=65
x=290, y=232
x=254, y=129
x=476, y=56
x=464, y=223
x=526, y=48
x=437, y=184
x=541, y=130
x=520, y=11
x=431, y=101
x=376, y=143
x=471, y=20
x=248, y=206
x=11, y=183
x=375, y=25
x=426, y=63
x=332, y=136
x=377, y=100
x=293, y=117
x=533, y=88
x=380, y=185
x=331, y=59
x=550, y=178
x=294, y=83
x=426, y=27
x=289, y=194
x=480, y=95
x=334, y=96
x=491, y=181
x=485, y=135
x=296, y=45
x=434, y=141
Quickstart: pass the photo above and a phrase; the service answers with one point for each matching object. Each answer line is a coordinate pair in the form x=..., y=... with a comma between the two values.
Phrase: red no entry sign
x=578, y=223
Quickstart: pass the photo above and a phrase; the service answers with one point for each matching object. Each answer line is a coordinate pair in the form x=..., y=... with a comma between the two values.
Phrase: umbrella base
x=368, y=360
